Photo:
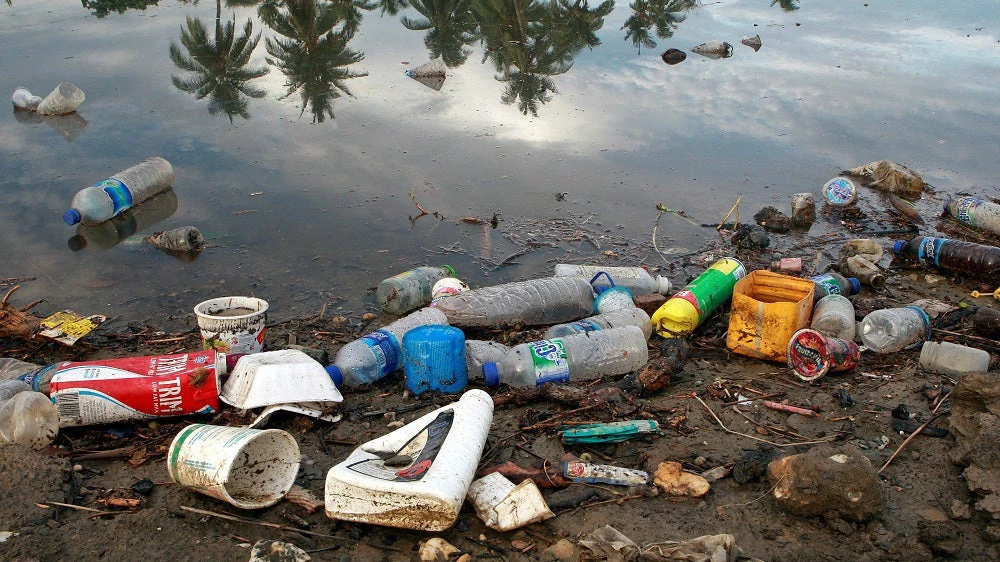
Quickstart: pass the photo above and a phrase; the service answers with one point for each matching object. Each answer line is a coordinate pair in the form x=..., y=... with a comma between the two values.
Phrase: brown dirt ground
x=920, y=483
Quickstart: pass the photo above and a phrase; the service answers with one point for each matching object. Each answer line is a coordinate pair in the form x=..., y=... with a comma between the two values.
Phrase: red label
x=131, y=388
x=690, y=297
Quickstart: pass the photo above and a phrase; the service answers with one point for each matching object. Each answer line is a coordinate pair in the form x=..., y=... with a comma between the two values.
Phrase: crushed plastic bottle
x=28, y=418
x=975, y=260
x=112, y=196
x=893, y=329
x=833, y=315
x=546, y=300
x=631, y=316
x=637, y=279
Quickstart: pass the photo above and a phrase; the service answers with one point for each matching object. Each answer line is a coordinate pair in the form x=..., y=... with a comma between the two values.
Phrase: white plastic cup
x=248, y=468
x=232, y=324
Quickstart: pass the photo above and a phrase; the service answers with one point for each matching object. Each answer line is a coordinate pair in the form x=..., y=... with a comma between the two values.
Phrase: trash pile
x=599, y=344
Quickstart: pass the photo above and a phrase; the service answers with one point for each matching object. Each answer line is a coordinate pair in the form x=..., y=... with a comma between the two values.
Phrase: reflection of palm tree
x=450, y=26
x=219, y=65
x=312, y=55
x=102, y=8
x=664, y=15
x=786, y=5
x=576, y=24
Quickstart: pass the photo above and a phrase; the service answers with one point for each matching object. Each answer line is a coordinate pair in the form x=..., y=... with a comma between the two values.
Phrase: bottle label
x=827, y=285
x=422, y=449
x=386, y=349
x=582, y=326
x=929, y=250
x=120, y=194
x=34, y=379
x=713, y=287
x=965, y=207
x=549, y=358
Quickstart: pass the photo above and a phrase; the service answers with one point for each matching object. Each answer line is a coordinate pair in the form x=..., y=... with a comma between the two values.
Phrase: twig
x=413, y=197
x=736, y=209
x=71, y=506
x=166, y=340
x=910, y=438
x=755, y=438
x=551, y=421
x=757, y=499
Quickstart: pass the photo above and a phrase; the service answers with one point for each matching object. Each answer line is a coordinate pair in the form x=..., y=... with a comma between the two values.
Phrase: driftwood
x=15, y=322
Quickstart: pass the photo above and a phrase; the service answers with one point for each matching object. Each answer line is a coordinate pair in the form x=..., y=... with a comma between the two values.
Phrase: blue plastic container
x=434, y=359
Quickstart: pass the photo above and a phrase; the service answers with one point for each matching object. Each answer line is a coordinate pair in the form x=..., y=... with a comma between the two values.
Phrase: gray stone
x=942, y=537
x=960, y=510
x=562, y=551
x=825, y=479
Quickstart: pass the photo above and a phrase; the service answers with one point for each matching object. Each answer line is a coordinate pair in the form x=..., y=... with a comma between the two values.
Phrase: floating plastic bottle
x=372, y=357
x=547, y=300
x=969, y=258
x=637, y=279
x=107, y=198
x=975, y=212
x=893, y=329
x=478, y=352
x=24, y=99
x=99, y=237
x=416, y=477
x=952, y=359
x=835, y=284
x=65, y=98
x=686, y=310
x=631, y=316
x=833, y=315
x=588, y=355
x=411, y=289
x=28, y=418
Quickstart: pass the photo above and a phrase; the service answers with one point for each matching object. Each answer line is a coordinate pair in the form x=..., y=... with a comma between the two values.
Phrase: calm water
x=301, y=177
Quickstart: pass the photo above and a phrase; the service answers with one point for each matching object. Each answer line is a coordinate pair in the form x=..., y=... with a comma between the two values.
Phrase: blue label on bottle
x=386, y=348
x=34, y=378
x=929, y=251
x=120, y=194
x=582, y=326
x=965, y=207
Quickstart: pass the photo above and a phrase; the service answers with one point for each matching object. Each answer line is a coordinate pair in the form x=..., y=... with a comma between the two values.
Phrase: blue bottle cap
x=491, y=375
x=335, y=374
x=946, y=203
x=897, y=246
x=71, y=217
x=855, y=285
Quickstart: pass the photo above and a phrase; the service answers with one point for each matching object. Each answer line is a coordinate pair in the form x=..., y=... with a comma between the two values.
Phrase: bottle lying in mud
x=411, y=289
x=416, y=477
x=635, y=278
x=547, y=300
x=975, y=260
x=686, y=310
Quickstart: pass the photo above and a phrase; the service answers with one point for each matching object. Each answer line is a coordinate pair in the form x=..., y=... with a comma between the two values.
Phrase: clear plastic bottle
x=835, y=284
x=975, y=212
x=29, y=419
x=547, y=300
x=478, y=352
x=372, y=357
x=22, y=98
x=636, y=278
x=969, y=258
x=65, y=98
x=411, y=289
x=11, y=368
x=893, y=329
x=109, y=233
x=952, y=359
x=9, y=388
x=616, y=318
x=107, y=198
x=588, y=355
x=865, y=271
x=833, y=315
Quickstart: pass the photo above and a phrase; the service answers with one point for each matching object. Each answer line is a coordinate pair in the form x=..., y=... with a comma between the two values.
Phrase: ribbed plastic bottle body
x=29, y=419
x=635, y=278
x=9, y=388
x=478, y=352
x=833, y=315
x=547, y=300
x=975, y=212
x=631, y=316
x=107, y=198
x=893, y=329
x=411, y=289
x=584, y=356
x=834, y=284
x=952, y=359
x=379, y=353
x=958, y=256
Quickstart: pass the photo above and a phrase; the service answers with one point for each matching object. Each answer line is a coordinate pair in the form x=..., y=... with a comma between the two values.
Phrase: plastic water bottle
x=969, y=258
x=29, y=419
x=24, y=99
x=892, y=329
x=588, y=355
x=65, y=98
x=372, y=357
x=478, y=352
x=686, y=310
x=833, y=315
x=865, y=271
x=835, y=284
x=411, y=289
x=952, y=359
x=637, y=279
x=547, y=300
x=615, y=319
x=109, y=197
x=975, y=212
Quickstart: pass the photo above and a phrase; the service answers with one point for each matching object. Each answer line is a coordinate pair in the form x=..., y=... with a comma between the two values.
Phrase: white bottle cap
x=662, y=285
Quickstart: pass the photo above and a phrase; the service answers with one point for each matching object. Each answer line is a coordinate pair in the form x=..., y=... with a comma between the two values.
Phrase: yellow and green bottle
x=687, y=309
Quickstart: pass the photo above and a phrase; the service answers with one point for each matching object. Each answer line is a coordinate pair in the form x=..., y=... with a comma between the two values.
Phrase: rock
x=827, y=479
x=673, y=56
x=436, y=549
x=675, y=482
x=562, y=551
x=277, y=551
x=715, y=474
x=773, y=220
x=942, y=537
x=650, y=302
x=750, y=237
x=931, y=514
x=753, y=464
x=960, y=510
x=752, y=42
x=834, y=521
x=975, y=423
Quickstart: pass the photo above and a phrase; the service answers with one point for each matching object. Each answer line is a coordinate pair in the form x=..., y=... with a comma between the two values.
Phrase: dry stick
x=413, y=197
x=551, y=421
x=736, y=209
x=757, y=499
x=723, y=426
x=167, y=340
x=280, y=527
x=910, y=438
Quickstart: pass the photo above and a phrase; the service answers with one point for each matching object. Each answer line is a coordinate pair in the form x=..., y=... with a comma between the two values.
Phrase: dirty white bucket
x=249, y=468
x=232, y=324
x=417, y=476
x=285, y=376
x=504, y=506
